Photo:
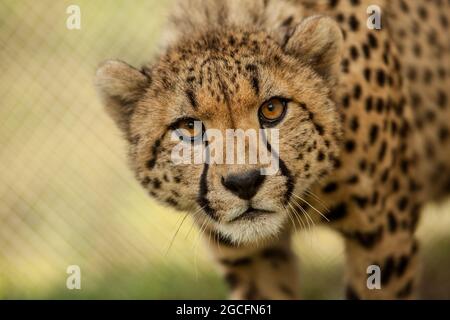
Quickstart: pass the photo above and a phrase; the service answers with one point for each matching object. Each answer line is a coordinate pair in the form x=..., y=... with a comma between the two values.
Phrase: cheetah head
x=232, y=79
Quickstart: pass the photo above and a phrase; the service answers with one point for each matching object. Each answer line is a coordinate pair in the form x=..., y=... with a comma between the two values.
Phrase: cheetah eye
x=272, y=111
x=189, y=129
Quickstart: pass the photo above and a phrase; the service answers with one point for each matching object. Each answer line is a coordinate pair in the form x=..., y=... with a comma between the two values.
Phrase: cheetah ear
x=318, y=42
x=121, y=86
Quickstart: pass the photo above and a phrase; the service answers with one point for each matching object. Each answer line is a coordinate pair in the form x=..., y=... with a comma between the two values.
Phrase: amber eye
x=273, y=110
x=189, y=128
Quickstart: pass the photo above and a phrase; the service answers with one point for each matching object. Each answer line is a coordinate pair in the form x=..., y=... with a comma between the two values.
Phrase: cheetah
x=363, y=116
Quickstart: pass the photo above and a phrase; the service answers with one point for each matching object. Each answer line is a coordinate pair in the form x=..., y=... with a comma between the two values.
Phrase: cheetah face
x=232, y=79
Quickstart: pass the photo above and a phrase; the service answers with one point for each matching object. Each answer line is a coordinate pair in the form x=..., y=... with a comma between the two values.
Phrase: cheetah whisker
x=312, y=207
x=304, y=212
x=200, y=234
x=298, y=217
x=317, y=198
x=176, y=233
x=194, y=221
x=290, y=218
x=308, y=218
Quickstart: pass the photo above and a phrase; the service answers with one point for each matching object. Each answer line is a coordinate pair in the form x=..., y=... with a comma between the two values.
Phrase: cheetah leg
x=396, y=257
x=264, y=272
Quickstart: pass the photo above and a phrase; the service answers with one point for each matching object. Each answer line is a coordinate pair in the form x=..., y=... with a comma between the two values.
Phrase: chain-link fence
x=66, y=195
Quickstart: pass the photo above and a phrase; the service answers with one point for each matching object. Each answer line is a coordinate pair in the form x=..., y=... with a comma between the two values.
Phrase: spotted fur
x=366, y=133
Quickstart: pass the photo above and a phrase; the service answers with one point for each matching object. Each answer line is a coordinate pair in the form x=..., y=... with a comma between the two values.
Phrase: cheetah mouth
x=251, y=213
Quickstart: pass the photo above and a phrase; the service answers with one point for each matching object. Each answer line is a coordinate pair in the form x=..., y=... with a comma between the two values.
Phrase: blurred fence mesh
x=66, y=194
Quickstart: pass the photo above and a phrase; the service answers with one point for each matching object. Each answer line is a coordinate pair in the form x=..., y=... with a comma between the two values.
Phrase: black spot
x=252, y=292
x=340, y=17
x=151, y=163
x=344, y=65
x=366, y=51
x=319, y=127
x=443, y=134
x=404, y=6
x=406, y=290
x=423, y=14
x=287, y=173
x=354, y=52
x=353, y=180
x=375, y=198
x=354, y=124
x=444, y=21
x=172, y=201
x=366, y=239
x=203, y=192
x=360, y=201
x=402, y=265
x=381, y=77
x=346, y=101
x=417, y=50
x=395, y=185
x=287, y=22
x=392, y=222
x=275, y=254
x=222, y=239
x=333, y=3
x=402, y=203
x=320, y=156
x=373, y=133
x=357, y=91
x=330, y=187
x=254, y=76
x=384, y=175
x=145, y=182
x=380, y=106
x=156, y=183
x=192, y=99
x=387, y=270
x=367, y=74
x=382, y=151
x=442, y=99
x=240, y=262
x=338, y=212
x=362, y=165
x=414, y=247
x=369, y=103
x=427, y=76
x=353, y=23
x=255, y=84
x=232, y=280
x=412, y=74
x=350, y=146
x=373, y=42
x=404, y=165
x=351, y=294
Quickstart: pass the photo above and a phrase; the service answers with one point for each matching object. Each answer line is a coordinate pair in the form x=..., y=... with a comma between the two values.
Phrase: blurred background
x=68, y=198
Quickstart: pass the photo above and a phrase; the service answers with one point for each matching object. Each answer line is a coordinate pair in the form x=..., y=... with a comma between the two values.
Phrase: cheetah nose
x=245, y=185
